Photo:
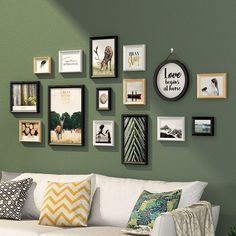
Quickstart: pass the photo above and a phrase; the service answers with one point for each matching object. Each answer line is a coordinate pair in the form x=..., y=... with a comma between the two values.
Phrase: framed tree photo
x=66, y=115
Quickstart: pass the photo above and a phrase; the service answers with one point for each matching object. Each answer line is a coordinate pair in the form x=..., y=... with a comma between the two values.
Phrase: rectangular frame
x=104, y=56
x=135, y=132
x=24, y=96
x=103, y=101
x=210, y=129
x=63, y=130
x=42, y=65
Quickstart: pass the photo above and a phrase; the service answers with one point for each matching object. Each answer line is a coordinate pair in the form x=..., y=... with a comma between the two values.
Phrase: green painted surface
x=203, y=35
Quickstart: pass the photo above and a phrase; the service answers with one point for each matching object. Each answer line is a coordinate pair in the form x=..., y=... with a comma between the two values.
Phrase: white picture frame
x=171, y=128
x=70, y=61
x=42, y=65
x=134, y=57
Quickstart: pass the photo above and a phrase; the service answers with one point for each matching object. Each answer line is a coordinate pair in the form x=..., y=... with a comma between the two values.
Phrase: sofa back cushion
x=115, y=198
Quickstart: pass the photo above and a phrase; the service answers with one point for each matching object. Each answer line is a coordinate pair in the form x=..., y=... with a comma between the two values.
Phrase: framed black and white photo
x=135, y=139
x=103, y=99
x=42, y=65
x=170, y=128
x=24, y=97
x=203, y=126
x=66, y=115
x=70, y=61
x=103, y=57
x=103, y=133
x=134, y=57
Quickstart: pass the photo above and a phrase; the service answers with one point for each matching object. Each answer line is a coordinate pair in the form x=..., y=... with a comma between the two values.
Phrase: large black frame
x=212, y=131
x=109, y=99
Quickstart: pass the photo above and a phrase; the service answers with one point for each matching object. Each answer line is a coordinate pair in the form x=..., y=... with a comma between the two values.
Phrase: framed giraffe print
x=66, y=115
x=103, y=57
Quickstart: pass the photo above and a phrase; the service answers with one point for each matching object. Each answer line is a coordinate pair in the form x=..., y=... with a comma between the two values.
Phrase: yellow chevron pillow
x=66, y=204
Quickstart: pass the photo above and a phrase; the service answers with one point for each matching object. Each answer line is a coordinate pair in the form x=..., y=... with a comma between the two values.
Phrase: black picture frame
x=206, y=131
x=24, y=96
x=186, y=74
x=105, y=96
x=94, y=50
x=74, y=131
x=133, y=125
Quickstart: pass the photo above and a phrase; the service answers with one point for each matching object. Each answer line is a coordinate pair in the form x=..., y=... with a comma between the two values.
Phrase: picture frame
x=66, y=115
x=134, y=57
x=42, y=65
x=103, y=99
x=212, y=86
x=103, y=133
x=104, y=57
x=203, y=126
x=24, y=96
x=134, y=139
x=30, y=131
x=171, y=128
x=134, y=91
x=70, y=61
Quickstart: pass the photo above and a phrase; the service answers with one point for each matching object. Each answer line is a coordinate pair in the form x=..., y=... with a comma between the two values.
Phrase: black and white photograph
x=103, y=99
x=170, y=128
x=103, y=133
x=203, y=126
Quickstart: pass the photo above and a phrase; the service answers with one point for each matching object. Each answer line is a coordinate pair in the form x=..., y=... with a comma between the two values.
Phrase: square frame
x=24, y=96
x=42, y=65
x=103, y=99
x=135, y=132
x=134, y=57
x=209, y=121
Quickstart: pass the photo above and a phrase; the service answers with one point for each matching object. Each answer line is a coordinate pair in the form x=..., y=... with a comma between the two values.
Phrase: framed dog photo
x=42, y=65
x=103, y=97
x=103, y=133
x=203, y=126
x=103, y=57
x=212, y=86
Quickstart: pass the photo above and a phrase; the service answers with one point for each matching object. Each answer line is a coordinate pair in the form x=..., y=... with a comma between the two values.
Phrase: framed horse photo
x=66, y=115
x=103, y=57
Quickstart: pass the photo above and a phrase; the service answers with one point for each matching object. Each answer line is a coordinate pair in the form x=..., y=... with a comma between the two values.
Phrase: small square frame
x=42, y=65
x=209, y=126
x=103, y=99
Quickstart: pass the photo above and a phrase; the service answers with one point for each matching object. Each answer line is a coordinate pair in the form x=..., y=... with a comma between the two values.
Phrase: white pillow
x=115, y=198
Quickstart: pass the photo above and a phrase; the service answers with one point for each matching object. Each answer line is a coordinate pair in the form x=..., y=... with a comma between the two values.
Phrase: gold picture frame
x=42, y=65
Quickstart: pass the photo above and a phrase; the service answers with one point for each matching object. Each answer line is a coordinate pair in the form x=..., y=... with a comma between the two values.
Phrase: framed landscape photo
x=24, y=97
x=70, y=61
x=212, y=86
x=170, y=128
x=103, y=57
x=42, y=65
x=135, y=139
x=134, y=57
x=103, y=97
x=66, y=115
x=30, y=131
x=203, y=126
x=134, y=91
x=103, y=133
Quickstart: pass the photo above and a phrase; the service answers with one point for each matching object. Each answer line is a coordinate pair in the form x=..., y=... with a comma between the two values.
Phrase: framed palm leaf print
x=135, y=139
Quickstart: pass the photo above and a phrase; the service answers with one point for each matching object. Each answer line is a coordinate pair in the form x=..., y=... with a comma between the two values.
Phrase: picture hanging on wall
x=42, y=65
x=103, y=99
x=170, y=128
x=103, y=133
x=103, y=57
x=212, y=86
x=66, y=115
x=134, y=57
x=203, y=126
x=135, y=139
x=24, y=97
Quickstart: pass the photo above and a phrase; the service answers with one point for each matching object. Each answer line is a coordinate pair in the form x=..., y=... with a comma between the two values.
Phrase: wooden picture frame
x=203, y=126
x=103, y=99
x=42, y=65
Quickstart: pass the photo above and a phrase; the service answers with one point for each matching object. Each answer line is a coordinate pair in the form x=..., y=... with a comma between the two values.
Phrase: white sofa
x=112, y=204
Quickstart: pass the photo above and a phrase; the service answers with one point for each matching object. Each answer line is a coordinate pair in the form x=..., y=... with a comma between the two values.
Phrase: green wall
x=203, y=35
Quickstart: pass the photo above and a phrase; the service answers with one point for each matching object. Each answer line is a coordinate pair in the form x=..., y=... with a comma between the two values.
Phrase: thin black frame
x=186, y=74
x=109, y=99
x=115, y=58
x=82, y=110
x=123, y=139
x=212, y=132
x=37, y=83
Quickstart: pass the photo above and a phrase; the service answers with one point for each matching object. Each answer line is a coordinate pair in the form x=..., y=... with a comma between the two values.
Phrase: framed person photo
x=30, y=131
x=203, y=126
x=134, y=57
x=103, y=97
x=103, y=57
x=42, y=65
x=66, y=115
x=212, y=86
x=24, y=97
x=170, y=128
x=134, y=91
x=103, y=133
